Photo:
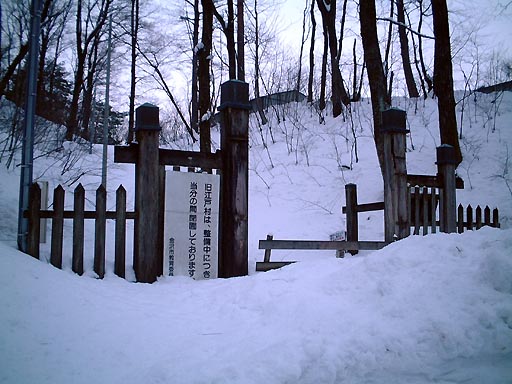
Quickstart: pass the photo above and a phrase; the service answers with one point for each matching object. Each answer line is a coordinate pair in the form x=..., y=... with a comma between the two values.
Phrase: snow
x=426, y=309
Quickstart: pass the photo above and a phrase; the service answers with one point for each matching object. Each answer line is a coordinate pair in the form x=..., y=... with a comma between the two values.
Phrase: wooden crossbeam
x=431, y=181
x=128, y=154
x=322, y=245
x=111, y=215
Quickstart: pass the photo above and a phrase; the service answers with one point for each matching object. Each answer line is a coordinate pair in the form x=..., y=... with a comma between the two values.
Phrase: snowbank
x=426, y=309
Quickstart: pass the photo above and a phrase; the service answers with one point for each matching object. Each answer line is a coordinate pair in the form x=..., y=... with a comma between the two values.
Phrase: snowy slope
x=425, y=309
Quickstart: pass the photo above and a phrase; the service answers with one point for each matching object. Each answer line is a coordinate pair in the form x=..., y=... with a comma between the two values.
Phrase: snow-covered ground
x=422, y=310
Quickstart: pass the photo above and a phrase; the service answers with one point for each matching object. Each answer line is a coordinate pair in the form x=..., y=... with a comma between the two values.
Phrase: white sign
x=191, y=224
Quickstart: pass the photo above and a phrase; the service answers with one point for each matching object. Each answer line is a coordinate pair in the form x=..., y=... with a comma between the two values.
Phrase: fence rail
x=79, y=215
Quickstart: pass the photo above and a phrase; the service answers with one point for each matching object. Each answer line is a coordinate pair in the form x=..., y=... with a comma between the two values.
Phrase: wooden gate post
x=396, y=216
x=147, y=260
x=233, y=244
x=446, y=165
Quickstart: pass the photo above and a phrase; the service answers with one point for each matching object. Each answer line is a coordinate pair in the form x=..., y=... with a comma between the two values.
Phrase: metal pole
x=107, y=107
x=28, y=133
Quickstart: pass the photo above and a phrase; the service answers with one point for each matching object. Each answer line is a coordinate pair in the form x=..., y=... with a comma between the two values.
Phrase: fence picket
x=469, y=216
x=100, y=230
x=57, y=227
x=417, y=210
x=433, y=209
x=478, y=217
x=460, y=219
x=495, y=218
x=425, y=210
x=120, y=242
x=33, y=235
x=78, y=230
x=487, y=215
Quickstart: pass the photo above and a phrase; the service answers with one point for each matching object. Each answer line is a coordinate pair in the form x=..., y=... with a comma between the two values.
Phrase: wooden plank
x=57, y=227
x=34, y=222
x=110, y=215
x=416, y=210
x=120, y=242
x=487, y=215
x=469, y=217
x=352, y=219
x=433, y=206
x=460, y=219
x=78, y=230
x=431, y=181
x=266, y=258
x=128, y=154
x=367, y=207
x=263, y=266
x=100, y=231
x=495, y=218
x=478, y=217
x=424, y=202
x=321, y=245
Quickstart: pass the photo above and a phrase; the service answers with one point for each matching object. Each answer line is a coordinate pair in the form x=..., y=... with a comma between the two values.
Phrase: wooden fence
x=79, y=215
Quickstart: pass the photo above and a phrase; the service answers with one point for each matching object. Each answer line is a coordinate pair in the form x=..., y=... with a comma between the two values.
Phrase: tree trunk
x=312, y=53
x=339, y=94
x=204, y=76
x=404, y=50
x=240, y=37
x=194, y=103
x=323, y=76
x=443, y=81
x=134, y=25
x=376, y=78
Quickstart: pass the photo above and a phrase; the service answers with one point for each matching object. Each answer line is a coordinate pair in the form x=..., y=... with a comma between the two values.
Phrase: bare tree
x=87, y=29
x=312, y=53
x=404, y=50
x=339, y=94
x=443, y=78
x=376, y=78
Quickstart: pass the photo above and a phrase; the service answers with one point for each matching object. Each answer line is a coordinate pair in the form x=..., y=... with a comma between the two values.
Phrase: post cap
x=234, y=94
x=146, y=118
x=393, y=120
x=445, y=154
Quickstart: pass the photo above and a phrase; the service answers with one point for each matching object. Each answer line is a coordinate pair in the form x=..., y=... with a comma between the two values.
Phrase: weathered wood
x=478, y=217
x=351, y=212
x=266, y=258
x=270, y=265
x=233, y=246
x=469, y=217
x=110, y=215
x=460, y=219
x=120, y=241
x=402, y=228
x=128, y=154
x=57, y=227
x=322, y=245
x=78, y=230
x=161, y=219
x=495, y=218
x=433, y=206
x=424, y=202
x=417, y=210
x=34, y=222
x=389, y=195
x=487, y=215
x=44, y=206
x=147, y=207
x=366, y=207
x=446, y=164
x=431, y=181
x=100, y=226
